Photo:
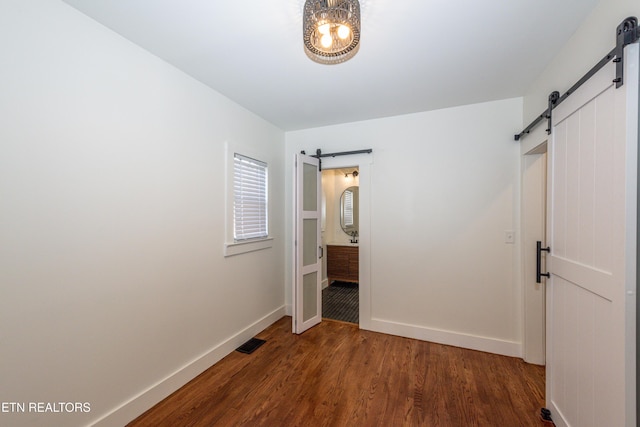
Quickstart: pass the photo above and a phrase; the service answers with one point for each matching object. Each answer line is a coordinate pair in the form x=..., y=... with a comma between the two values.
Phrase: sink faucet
x=354, y=237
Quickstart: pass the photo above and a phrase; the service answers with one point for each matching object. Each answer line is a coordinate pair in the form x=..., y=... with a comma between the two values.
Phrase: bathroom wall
x=333, y=185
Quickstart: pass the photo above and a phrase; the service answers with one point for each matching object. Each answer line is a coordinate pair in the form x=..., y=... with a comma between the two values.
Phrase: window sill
x=237, y=248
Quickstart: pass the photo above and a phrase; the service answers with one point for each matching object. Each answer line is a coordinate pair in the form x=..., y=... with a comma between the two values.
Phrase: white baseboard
x=147, y=399
x=472, y=342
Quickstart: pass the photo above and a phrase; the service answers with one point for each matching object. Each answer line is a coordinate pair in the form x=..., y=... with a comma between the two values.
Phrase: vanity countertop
x=343, y=244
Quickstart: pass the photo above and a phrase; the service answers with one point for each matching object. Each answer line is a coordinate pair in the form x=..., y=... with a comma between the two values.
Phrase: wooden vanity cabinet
x=342, y=263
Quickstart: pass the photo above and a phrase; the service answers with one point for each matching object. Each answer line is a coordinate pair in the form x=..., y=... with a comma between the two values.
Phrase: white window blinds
x=348, y=208
x=250, y=198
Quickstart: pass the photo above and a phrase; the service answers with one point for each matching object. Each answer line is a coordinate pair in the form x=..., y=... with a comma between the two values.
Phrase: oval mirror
x=349, y=211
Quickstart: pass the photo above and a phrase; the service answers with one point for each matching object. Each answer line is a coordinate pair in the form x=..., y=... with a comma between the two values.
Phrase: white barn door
x=592, y=234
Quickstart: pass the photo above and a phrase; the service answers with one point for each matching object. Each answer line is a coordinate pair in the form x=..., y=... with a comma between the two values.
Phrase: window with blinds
x=250, y=219
x=348, y=208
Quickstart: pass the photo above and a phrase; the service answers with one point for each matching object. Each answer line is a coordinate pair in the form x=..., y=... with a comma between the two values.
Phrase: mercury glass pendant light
x=331, y=30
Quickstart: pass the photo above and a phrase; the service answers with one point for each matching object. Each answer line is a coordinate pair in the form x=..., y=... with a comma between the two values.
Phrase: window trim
x=237, y=248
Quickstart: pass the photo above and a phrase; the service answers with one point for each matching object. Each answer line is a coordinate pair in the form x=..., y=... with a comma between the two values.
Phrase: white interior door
x=592, y=235
x=307, y=292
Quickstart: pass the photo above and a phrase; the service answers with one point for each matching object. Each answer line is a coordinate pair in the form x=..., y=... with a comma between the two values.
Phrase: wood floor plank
x=336, y=375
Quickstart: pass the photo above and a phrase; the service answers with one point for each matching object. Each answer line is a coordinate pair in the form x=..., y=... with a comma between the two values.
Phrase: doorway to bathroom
x=340, y=233
x=308, y=256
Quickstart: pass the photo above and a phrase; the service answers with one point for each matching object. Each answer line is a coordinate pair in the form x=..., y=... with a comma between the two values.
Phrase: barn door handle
x=539, y=250
x=321, y=251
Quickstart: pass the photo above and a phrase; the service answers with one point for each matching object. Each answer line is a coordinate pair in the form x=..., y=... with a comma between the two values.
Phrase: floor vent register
x=250, y=346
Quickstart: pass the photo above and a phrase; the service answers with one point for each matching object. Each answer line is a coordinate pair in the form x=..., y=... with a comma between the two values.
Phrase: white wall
x=112, y=200
x=444, y=188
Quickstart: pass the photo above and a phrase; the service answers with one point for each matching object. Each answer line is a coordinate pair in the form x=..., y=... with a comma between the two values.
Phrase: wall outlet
x=509, y=236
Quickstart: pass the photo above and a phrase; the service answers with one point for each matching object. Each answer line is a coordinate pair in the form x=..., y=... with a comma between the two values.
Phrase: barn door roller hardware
x=553, y=100
x=319, y=154
x=626, y=33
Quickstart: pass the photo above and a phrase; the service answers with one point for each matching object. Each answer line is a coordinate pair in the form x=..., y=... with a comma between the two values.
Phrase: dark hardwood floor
x=338, y=375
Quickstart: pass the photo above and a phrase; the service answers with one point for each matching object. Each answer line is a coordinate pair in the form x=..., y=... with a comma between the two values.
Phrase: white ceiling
x=415, y=55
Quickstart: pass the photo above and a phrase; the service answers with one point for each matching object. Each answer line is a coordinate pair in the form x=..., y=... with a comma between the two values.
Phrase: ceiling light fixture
x=331, y=30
